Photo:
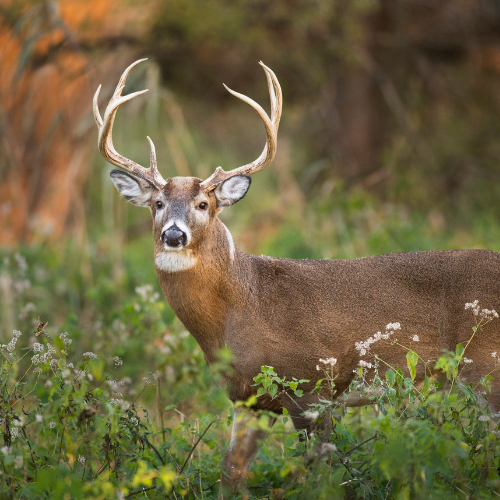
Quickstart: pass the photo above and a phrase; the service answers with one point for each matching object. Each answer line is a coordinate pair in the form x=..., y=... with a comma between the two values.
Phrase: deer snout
x=174, y=236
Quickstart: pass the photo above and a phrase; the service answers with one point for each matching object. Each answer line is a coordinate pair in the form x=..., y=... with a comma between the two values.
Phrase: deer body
x=290, y=313
x=287, y=313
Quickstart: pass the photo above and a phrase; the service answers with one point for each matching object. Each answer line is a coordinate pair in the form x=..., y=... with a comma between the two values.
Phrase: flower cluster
x=364, y=364
x=12, y=344
x=65, y=338
x=311, y=415
x=151, y=379
x=90, y=355
x=38, y=347
x=364, y=347
x=43, y=358
x=328, y=361
x=118, y=361
x=486, y=314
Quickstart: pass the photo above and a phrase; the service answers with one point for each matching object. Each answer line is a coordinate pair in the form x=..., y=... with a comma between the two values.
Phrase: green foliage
x=113, y=426
x=417, y=442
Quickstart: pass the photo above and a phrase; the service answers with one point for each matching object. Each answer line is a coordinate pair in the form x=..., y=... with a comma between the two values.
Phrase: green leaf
x=273, y=390
x=390, y=376
x=299, y=393
x=460, y=351
x=411, y=361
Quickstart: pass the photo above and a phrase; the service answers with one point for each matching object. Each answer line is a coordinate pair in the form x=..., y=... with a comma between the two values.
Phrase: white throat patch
x=174, y=261
x=230, y=242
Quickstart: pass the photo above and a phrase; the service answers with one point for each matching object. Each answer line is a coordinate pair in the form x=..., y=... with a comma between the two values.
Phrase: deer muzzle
x=174, y=237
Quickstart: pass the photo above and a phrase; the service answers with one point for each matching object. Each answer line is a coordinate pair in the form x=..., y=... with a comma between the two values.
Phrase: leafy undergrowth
x=116, y=402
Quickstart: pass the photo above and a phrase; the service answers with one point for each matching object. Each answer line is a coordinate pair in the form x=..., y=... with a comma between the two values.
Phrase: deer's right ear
x=134, y=189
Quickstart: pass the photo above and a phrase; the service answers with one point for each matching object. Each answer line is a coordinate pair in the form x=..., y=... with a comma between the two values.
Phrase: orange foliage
x=45, y=104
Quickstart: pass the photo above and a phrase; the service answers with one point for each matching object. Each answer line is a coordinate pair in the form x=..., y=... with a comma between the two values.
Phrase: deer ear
x=134, y=189
x=232, y=190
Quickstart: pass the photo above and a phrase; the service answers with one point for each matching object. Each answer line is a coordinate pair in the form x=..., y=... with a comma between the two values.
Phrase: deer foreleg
x=247, y=437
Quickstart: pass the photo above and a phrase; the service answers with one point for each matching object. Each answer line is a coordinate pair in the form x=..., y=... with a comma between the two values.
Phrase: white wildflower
x=48, y=384
x=38, y=418
x=52, y=425
x=467, y=361
x=415, y=338
x=393, y=326
x=18, y=422
x=12, y=345
x=81, y=459
x=65, y=373
x=144, y=291
x=327, y=448
x=90, y=355
x=311, y=415
x=67, y=341
x=14, y=432
x=70, y=365
x=364, y=364
x=117, y=361
x=63, y=335
x=6, y=450
x=317, y=367
x=18, y=462
x=53, y=362
x=38, y=347
x=17, y=334
x=483, y=418
x=35, y=359
x=134, y=421
x=329, y=361
x=125, y=405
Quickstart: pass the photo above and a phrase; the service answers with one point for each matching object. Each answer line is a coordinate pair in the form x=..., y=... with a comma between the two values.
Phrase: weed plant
x=116, y=401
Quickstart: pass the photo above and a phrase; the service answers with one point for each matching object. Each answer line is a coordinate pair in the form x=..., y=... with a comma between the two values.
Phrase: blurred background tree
x=388, y=139
x=396, y=97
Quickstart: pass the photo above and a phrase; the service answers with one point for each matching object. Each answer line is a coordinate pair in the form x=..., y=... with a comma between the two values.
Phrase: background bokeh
x=389, y=139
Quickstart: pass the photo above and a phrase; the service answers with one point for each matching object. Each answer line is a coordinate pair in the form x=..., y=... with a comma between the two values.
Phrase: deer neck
x=202, y=284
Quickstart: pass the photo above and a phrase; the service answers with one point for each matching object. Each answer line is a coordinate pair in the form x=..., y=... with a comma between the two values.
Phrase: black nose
x=174, y=237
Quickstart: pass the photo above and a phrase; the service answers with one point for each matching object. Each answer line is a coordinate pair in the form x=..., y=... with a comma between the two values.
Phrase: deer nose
x=174, y=236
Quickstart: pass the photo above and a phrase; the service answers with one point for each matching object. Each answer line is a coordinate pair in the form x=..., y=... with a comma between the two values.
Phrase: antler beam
x=271, y=126
x=105, y=127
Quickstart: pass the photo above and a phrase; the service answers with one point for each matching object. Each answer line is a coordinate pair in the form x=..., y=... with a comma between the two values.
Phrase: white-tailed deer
x=289, y=313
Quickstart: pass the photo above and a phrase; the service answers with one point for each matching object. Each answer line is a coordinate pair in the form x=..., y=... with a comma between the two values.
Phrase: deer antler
x=270, y=124
x=105, y=141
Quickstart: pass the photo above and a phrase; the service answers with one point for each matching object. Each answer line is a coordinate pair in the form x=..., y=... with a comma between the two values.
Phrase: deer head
x=183, y=208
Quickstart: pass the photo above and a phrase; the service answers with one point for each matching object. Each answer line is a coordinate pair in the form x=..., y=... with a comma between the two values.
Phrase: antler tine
x=276, y=95
x=270, y=125
x=105, y=127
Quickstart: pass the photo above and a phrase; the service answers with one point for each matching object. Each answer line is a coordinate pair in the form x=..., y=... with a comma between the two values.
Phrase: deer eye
x=203, y=205
x=159, y=205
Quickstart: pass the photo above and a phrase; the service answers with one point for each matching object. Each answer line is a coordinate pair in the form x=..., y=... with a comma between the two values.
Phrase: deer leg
x=246, y=440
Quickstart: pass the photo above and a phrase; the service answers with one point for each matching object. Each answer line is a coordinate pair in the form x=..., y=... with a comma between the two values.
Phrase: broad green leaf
x=390, y=376
x=411, y=361
x=273, y=389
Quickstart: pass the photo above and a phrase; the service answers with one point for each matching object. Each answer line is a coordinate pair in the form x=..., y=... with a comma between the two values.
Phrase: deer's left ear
x=232, y=190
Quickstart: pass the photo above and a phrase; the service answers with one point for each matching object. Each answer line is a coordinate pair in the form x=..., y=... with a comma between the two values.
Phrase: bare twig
x=361, y=444
x=140, y=491
x=196, y=444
